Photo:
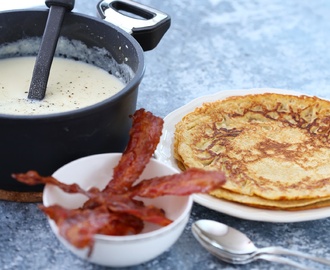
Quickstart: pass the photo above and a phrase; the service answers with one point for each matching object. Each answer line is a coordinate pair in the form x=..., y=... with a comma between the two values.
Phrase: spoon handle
x=284, y=251
x=282, y=260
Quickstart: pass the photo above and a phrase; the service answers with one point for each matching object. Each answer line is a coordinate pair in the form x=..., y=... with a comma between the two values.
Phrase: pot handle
x=145, y=24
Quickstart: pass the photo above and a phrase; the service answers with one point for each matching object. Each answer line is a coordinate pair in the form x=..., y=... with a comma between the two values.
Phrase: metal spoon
x=57, y=9
x=231, y=245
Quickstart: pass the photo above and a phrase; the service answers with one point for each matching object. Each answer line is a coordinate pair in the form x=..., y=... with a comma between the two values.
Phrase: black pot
x=46, y=142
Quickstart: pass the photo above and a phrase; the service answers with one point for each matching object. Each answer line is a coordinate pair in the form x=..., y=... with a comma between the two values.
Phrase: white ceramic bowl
x=119, y=251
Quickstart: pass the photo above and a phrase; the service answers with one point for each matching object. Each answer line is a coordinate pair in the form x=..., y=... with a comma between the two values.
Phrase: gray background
x=212, y=45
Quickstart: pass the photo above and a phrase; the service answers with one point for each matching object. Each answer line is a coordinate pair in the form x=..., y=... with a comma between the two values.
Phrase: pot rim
x=129, y=87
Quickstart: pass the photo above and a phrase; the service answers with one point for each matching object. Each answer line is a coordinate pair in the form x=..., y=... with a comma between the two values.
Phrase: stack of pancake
x=273, y=148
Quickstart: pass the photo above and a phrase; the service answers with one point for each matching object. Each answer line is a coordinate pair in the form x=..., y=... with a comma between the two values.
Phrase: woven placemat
x=16, y=196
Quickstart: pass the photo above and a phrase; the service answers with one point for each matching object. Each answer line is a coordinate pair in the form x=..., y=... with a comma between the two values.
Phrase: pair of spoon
x=232, y=246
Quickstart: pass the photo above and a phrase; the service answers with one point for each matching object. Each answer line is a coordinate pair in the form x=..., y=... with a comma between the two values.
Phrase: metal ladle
x=231, y=245
x=57, y=10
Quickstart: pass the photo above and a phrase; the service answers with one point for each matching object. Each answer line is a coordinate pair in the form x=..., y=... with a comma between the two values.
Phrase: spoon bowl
x=223, y=237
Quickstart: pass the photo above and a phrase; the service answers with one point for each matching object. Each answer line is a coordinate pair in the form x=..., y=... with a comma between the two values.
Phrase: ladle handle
x=68, y=4
x=45, y=56
x=147, y=25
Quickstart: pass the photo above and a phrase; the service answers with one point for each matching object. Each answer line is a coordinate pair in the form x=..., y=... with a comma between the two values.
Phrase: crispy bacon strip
x=78, y=226
x=33, y=178
x=188, y=182
x=144, y=138
x=124, y=203
x=117, y=203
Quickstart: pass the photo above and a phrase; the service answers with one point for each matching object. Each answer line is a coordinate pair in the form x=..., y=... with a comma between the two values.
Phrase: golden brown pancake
x=259, y=202
x=272, y=146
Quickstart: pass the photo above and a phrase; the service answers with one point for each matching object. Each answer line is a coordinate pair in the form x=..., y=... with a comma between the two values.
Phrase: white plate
x=164, y=152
